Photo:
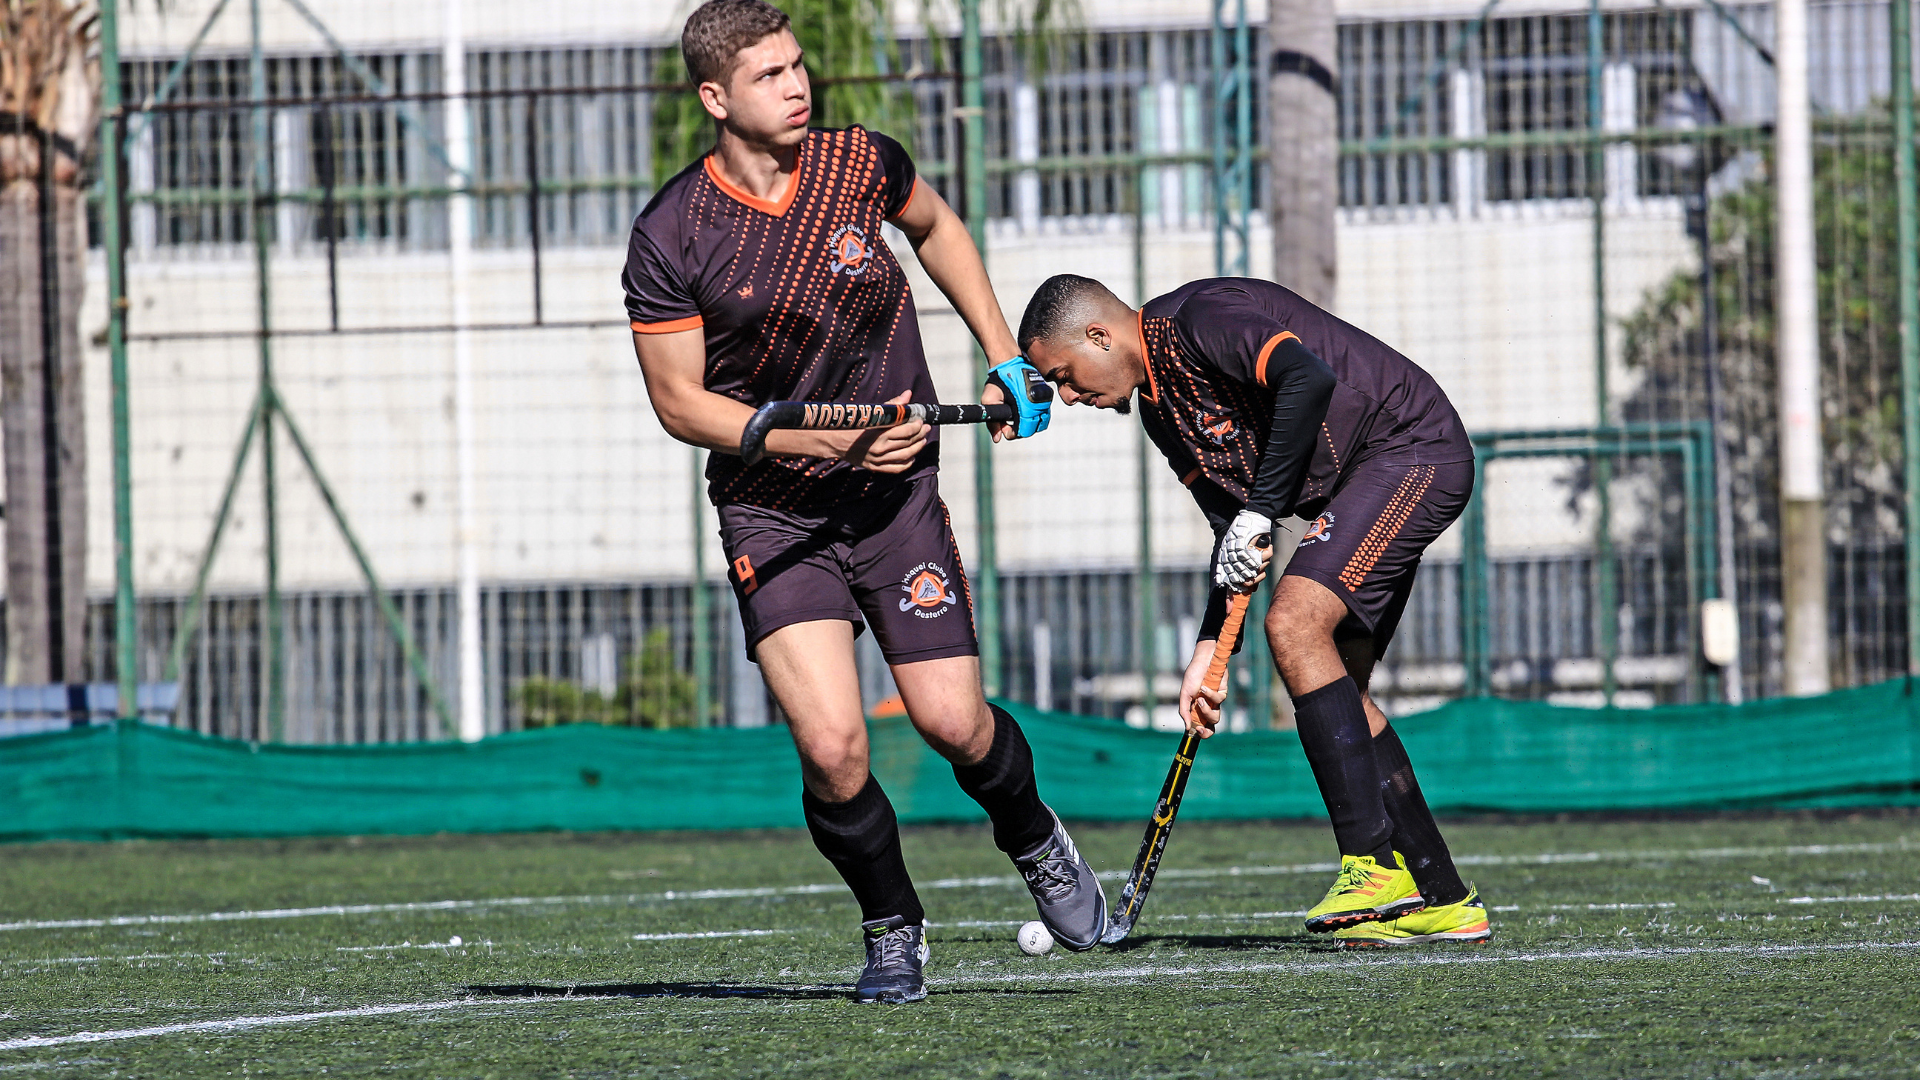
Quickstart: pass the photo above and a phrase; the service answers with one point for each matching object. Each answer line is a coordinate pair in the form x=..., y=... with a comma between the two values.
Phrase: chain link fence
x=403, y=289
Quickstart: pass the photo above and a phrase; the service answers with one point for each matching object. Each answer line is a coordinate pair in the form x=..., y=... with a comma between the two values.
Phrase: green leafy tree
x=1860, y=376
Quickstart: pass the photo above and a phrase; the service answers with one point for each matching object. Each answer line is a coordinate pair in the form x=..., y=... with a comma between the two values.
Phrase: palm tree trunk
x=48, y=106
x=1303, y=145
x=70, y=430
x=45, y=455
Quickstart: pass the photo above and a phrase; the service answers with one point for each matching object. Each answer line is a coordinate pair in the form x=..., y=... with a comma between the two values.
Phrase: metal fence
x=1566, y=217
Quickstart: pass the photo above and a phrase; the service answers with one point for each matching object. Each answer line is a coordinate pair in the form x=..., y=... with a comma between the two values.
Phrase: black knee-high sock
x=1002, y=783
x=861, y=838
x=1415, y=834
x=1333, y=729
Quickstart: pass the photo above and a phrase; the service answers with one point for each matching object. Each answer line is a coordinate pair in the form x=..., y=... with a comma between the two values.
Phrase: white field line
x=1902, y=898
x=113, y=959
x=1545, y=859
x=976, y=924
x=411, y=945
x=1130, y=973
x=296, y=913
x=1654, y=906
x=713, y=934
x=1372, y=958
x=1256, y=916
x=245, y=1023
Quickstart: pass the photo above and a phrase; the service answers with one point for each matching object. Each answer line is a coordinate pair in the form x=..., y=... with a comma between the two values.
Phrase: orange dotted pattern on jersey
x=1315, y=488
x=816, y=316
x=1413, y=488
x=1193, y=400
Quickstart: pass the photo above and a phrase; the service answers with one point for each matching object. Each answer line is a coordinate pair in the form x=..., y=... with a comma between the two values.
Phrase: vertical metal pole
x=1691, y=554
x=1217, y=65
x=533, y=196
x=329, y=214
x=1474, y=637
x=1232, y=157
x=1146, y=599
x=1146, y=606
x=113, y=230
x=1803, y=548
x=1732, y=684
x=1606, y=604
x=1909, y=278
x=1243, y=152
x=457, y=131
x=700, y=604
x=1259, y=653
x=50, y=472
x=1139, y=238
x=276, y=691
x=973, y=167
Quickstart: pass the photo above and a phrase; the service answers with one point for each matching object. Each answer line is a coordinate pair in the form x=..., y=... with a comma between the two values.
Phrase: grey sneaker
x=896, y=963
x=1065, y=890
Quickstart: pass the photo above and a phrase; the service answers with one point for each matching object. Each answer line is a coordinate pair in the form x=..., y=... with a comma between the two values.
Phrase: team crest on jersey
x=848, y=246
x=1321, y=528
x=1219, y=429
x=929, y=591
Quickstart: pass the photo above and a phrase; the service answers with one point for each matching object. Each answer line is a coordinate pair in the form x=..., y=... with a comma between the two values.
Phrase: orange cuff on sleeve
x=911, y=193
x=1266, y=351
x=694, y=321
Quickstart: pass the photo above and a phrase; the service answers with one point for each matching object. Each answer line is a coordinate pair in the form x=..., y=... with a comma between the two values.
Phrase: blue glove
x=1030, y=395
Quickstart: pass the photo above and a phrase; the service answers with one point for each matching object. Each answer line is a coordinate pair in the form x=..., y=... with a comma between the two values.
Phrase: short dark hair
x=717, y=31
x=1062, y=305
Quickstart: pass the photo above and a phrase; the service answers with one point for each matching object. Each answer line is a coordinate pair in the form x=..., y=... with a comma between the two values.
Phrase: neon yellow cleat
x=1363, y=892
x=1464, y=921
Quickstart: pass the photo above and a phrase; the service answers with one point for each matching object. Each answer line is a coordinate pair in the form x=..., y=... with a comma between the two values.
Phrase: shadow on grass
x=842, y=992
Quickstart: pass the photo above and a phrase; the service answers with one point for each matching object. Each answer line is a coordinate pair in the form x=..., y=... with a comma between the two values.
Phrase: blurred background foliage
x=654, y=692
x=856, y=40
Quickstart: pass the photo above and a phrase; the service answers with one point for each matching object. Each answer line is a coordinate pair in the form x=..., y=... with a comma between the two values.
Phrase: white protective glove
x=1239, y=562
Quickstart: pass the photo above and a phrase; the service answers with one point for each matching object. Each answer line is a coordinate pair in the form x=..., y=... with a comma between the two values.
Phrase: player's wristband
x=1020, y=381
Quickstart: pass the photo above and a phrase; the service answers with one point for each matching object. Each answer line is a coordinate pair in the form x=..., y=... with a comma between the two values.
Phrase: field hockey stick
x=832, y=416
x=1027, y=405
x=1133, y=896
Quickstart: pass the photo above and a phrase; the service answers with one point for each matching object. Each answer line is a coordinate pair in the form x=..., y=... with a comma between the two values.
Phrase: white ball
x=1034, y=938
x=454, y=940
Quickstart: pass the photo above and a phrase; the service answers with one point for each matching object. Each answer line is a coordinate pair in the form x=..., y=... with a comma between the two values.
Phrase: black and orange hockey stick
x=1133, y=896
x=1016, y=376
x=829, y=415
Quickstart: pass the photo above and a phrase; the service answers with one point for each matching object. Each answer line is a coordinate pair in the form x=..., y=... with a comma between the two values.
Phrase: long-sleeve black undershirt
x=1303, y=386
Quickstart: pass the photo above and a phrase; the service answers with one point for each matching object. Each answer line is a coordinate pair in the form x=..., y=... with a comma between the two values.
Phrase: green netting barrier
x=1851, y=748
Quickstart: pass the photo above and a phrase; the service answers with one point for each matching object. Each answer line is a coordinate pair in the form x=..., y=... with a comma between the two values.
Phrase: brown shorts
x=1366, y=544
x=888, y=562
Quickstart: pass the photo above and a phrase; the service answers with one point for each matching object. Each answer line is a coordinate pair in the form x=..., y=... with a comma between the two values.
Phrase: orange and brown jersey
x=1218, y=379
x=799, y=300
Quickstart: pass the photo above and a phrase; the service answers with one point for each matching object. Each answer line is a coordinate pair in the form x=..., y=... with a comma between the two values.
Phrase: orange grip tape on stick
x=1223, y=645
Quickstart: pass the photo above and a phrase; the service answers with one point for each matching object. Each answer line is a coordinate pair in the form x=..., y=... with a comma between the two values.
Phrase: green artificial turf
x=1710, y=947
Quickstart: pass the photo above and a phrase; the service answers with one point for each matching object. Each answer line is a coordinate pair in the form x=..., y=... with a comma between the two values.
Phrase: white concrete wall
x=577, y=480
